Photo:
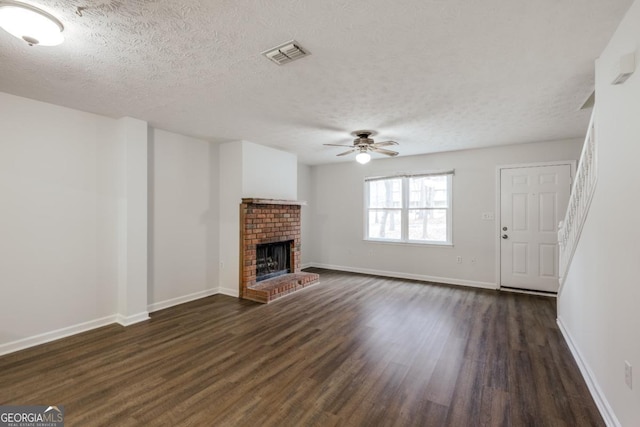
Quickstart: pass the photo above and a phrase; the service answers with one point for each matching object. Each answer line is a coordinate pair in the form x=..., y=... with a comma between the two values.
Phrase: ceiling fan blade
x=383, y=151
x=383, y=144
x=338, y=145
x=347, y=152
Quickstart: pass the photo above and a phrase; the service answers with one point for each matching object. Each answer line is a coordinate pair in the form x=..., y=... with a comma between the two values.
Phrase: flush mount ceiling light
x=33, y=25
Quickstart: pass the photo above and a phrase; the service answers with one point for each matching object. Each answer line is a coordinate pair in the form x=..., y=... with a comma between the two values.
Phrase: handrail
x=584, y=185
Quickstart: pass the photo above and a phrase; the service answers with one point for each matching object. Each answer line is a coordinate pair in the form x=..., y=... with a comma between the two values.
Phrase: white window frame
x=405, y=208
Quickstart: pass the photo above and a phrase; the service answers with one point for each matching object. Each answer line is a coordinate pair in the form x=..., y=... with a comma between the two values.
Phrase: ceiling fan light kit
x=31, y=24
x=363, y=144
x=363, y=158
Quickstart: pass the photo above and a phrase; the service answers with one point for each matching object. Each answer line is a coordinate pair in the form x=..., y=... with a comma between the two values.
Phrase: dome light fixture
x=31, y=24
x=363, y=158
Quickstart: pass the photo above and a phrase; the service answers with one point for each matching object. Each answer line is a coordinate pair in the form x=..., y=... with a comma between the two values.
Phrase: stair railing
x=584, y=185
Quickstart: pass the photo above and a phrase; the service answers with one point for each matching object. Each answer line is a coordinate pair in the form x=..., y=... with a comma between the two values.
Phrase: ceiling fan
x=363, y=144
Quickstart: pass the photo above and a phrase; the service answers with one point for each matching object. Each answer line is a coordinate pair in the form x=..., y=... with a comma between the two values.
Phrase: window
x=413, y=208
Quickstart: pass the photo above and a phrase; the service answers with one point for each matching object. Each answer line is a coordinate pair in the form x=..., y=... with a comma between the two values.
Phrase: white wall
x=76, y=248
x=338, y=211
x=58, y=218
x=132, y=221
x=248, y=170
x=305, y=194
x=180, y=222
x=230, y=180
x=268, y=173
x=213, y=215
x=598, y=305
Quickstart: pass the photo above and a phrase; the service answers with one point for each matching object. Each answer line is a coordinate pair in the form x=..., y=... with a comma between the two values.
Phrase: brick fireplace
x=266, y=222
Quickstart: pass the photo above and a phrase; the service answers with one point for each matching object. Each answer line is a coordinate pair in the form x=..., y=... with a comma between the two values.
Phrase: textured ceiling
x=434, y=75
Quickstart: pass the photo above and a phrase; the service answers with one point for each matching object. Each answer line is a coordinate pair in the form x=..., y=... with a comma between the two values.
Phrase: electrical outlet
x=473, y=260
x=628, y=375
x=459, y=260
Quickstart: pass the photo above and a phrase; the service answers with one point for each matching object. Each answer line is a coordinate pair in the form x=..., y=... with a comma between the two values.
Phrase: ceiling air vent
x=287, y=52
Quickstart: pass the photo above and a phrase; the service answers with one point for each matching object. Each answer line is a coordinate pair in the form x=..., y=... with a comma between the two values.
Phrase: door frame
x=499, y=168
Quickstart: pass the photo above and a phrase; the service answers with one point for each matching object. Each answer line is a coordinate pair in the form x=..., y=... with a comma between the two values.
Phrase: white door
x=532, y=201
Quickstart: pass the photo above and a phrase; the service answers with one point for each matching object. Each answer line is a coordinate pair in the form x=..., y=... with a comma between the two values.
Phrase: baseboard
x=180, y=300
x=306, y=265
x=134, y=318
x=55, y=335
x=600, y=399
x=46, y=337
x=528, y=292
x=229, y=292
x=401, y=275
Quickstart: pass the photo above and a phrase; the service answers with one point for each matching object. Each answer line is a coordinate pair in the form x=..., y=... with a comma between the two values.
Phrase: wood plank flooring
x=354, y=350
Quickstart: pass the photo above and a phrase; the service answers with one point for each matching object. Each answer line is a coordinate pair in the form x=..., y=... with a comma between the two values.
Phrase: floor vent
x=287, y=52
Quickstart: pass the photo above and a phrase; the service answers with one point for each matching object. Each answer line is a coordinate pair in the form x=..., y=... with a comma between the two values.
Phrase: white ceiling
x=434, y=75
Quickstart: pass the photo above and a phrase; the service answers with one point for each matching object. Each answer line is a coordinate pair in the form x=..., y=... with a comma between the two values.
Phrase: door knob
x=504, y=236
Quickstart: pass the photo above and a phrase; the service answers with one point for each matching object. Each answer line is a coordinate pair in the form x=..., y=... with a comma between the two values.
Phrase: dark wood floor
x=353, y=350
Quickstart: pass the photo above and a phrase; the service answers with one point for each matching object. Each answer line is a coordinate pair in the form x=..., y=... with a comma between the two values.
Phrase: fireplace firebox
x=273, y=260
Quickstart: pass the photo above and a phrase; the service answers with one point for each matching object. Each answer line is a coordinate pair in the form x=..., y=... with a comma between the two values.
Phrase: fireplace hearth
x=270, y=250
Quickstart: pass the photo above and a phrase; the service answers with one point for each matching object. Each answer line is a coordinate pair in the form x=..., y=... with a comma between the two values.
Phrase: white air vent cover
x=627, y=67
x=287, y=52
